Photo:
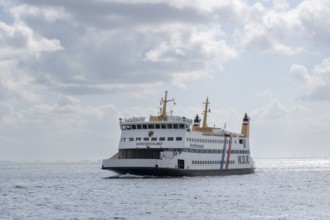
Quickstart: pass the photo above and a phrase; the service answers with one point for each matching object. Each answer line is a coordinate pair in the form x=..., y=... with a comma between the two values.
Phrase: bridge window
x=151, y=126
x=163, y=126
x=170, y=138
x=153, y=139
x=138, y=139
x=144, y=126
x=133, y=127
x=126, y=127
x=169, y=126
x=175, y=126
x=181, y=126
x=178, y=138
x=157, y=126
x=162, y=139
x=138, y=126
x=146, y=139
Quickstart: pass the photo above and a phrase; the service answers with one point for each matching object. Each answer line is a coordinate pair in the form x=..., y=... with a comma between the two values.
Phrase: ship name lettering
x=243, y=159
x=197, y=145
x=149, y=143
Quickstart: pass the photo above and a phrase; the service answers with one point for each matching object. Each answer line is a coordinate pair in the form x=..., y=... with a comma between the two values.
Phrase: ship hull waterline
x=175, y=172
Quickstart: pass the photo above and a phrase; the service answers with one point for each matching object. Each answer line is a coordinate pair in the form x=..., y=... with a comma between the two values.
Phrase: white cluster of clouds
x=63, y=130
x=316, y=83
x=287, y=30
x=67, y=113
x=81, y=47
x=18, y=41
x=273, y=111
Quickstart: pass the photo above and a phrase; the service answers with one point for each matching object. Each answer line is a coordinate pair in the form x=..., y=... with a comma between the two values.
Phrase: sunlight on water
x=280, y=189
x=293, y=164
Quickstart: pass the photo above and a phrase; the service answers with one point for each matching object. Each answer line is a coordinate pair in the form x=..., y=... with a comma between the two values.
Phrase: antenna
x=164, y=102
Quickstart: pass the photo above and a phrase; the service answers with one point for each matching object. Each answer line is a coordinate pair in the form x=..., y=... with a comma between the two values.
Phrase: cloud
x=316, y=84
x=273, y=111
x=112, y=46
x=286, y=30
x=314, y=15
x=133, y=50
x=5, y=109
x=14, y=84
x=280, y=5
x=285, y=131
x=67, y=113
x=20, y=44
x=101, y=47
x=180, y=79
x=265, y=94
x=271, y=30
x=20, y=41
x=66, y=129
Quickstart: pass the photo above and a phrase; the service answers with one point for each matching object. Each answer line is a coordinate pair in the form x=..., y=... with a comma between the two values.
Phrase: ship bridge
x=136, y=123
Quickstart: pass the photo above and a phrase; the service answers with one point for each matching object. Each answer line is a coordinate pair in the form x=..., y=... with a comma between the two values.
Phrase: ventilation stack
x=246, y=126
x=197, y=121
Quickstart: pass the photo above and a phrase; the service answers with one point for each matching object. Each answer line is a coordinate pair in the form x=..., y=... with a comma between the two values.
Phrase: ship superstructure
x=167, y=145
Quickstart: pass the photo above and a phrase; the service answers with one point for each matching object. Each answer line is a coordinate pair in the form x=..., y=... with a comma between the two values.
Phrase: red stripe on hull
x=228, y=154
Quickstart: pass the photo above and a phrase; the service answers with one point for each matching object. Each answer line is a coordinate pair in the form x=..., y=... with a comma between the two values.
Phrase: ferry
x=167, y=145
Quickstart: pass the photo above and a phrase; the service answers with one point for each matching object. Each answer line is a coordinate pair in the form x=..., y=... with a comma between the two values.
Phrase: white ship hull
x=182, y=164
x=177, y=146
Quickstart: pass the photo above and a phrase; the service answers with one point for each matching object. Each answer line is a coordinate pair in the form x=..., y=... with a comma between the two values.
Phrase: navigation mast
x=164, y=102
x=206, y=110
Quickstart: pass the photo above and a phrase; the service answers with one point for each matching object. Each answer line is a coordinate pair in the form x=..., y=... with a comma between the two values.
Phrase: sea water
x=280, y=189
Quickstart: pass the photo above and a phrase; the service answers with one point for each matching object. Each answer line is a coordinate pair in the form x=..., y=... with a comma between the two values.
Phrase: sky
x=69, y=69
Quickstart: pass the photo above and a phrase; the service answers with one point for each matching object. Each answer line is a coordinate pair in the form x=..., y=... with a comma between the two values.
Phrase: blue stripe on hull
x=223, y=153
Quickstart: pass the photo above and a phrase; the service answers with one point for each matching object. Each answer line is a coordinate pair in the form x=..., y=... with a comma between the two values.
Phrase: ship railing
x=134, y=119
x=144, y=119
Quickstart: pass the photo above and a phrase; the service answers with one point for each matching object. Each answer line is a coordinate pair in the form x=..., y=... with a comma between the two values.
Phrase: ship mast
x=206, y=110
x=164, y=102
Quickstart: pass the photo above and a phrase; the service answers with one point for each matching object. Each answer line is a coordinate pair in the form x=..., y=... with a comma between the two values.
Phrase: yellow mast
x=164, y=102
x=206, y=110
x=204, y=127
x=164, y=106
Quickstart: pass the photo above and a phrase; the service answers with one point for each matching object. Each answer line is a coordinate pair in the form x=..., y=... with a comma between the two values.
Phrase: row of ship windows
x=212, y=141
x=212, y=151
x=151, y=139
x=196, y=140
x=153, y=126
x=202, y=162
